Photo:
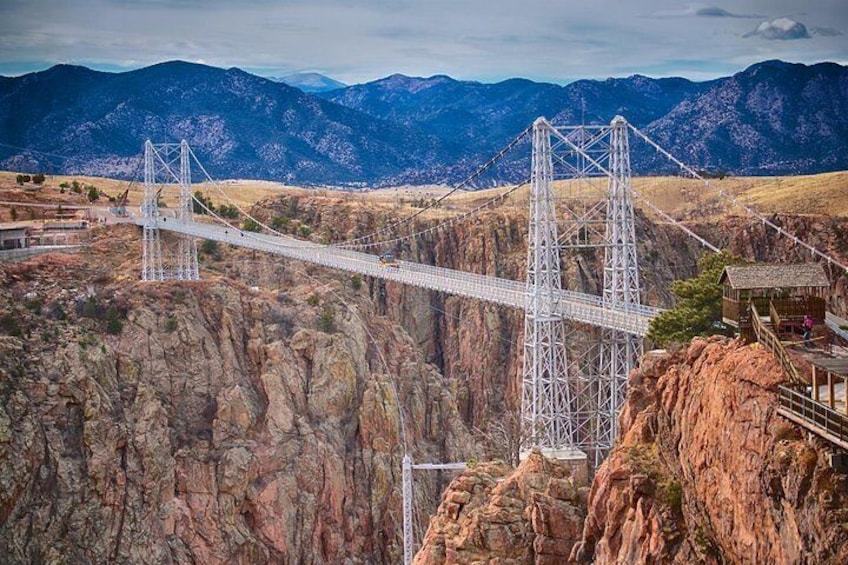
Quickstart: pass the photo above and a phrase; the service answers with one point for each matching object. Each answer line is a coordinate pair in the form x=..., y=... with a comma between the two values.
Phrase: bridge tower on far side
x=151, y=247
x=167, y=163
x=186, y=268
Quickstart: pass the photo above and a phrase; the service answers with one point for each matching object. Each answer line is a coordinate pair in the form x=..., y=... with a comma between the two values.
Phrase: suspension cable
x=579, y=150
x=438, y=201
x=443, y=224
x=351, y=244
x=748, y=209
x=232, y=202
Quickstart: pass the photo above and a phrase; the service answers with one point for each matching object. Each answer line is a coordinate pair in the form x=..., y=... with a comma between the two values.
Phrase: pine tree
x=698, y=311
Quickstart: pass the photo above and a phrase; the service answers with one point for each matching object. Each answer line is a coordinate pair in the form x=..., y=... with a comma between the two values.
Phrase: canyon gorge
x=253, y=416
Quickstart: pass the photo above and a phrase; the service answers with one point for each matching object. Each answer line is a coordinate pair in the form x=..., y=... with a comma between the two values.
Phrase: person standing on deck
x=808, y=330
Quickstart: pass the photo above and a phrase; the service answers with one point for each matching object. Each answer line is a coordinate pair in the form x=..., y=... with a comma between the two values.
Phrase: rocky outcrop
x=494, y=514
x=205, y=422
x=707, y=471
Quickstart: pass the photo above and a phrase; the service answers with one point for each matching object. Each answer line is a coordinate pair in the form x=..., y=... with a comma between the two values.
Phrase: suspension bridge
x=570, y=396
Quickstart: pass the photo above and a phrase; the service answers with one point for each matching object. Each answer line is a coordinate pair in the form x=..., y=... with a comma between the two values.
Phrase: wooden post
x=815, y=385
x=831, y=390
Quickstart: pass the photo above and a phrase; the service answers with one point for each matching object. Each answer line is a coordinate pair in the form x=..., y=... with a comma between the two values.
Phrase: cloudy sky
x=487, y=40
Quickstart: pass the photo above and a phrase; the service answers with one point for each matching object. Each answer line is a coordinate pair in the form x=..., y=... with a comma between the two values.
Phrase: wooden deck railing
x=816, y=417
x=775, y=316
x=771, y=342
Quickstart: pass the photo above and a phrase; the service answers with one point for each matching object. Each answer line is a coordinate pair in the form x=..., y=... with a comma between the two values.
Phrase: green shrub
x=671, y=493
x=93, y=194
x=9, y=325
x=228, y=211
x=210, y=247
x=280, y=223
x=38, y=179
x=312, y=300
x=199, y=201
x=114, y=325
x=251, y=225
x=305, y=231
x=327, y=320
x=170, y=324
x=34, y=305
x=698, y=310
x=356, y=282
x=57, y=312
x=90, y=307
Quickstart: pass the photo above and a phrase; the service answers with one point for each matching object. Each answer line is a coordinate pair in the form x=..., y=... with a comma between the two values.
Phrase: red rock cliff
x=707, y=471
x=494, y=514
x=205, y=422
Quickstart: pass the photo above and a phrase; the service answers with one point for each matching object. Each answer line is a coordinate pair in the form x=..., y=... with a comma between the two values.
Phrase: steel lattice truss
x=546, y=393
x=165, y=164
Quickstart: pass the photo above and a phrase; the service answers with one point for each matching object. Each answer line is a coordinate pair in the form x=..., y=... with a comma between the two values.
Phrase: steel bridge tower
x=546, y=397
x=569, y=409
x=618, y=351
x=151, y=249
x=160, y=160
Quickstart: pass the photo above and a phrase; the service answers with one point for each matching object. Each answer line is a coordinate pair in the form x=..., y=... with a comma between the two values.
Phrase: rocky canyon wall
x=226, y=423
x=477, y=345
x=206, y=422
x=707, y=471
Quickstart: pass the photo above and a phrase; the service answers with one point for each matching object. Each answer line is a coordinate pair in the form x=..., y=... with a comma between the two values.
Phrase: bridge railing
x=571, y=305
x=813, y=415
x=771, y=342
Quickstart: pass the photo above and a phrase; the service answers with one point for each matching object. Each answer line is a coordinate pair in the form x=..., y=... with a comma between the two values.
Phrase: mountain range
x=771, y=118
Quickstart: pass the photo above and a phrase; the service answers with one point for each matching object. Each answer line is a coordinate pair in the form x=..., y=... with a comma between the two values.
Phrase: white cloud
x=781, y=28
x=700, y=10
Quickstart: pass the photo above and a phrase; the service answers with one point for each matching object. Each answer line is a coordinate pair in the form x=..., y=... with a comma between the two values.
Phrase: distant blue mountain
x=310, y=82
x=238, y=124
x=772, y=118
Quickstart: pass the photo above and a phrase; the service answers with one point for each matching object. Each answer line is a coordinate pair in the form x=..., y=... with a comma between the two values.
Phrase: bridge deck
x=837, y=325
x=573, y=306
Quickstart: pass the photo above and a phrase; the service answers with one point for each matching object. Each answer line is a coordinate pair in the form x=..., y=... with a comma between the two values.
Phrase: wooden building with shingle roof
x=785, y=292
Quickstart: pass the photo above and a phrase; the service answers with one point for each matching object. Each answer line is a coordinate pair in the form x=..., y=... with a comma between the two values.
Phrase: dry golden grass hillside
x=681, y=198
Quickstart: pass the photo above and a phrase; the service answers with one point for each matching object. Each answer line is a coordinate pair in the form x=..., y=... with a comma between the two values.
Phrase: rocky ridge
x=707, y=471
x=532, y=514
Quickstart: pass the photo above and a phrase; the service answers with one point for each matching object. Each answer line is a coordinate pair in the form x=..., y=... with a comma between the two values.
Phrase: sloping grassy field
x=681, y=198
